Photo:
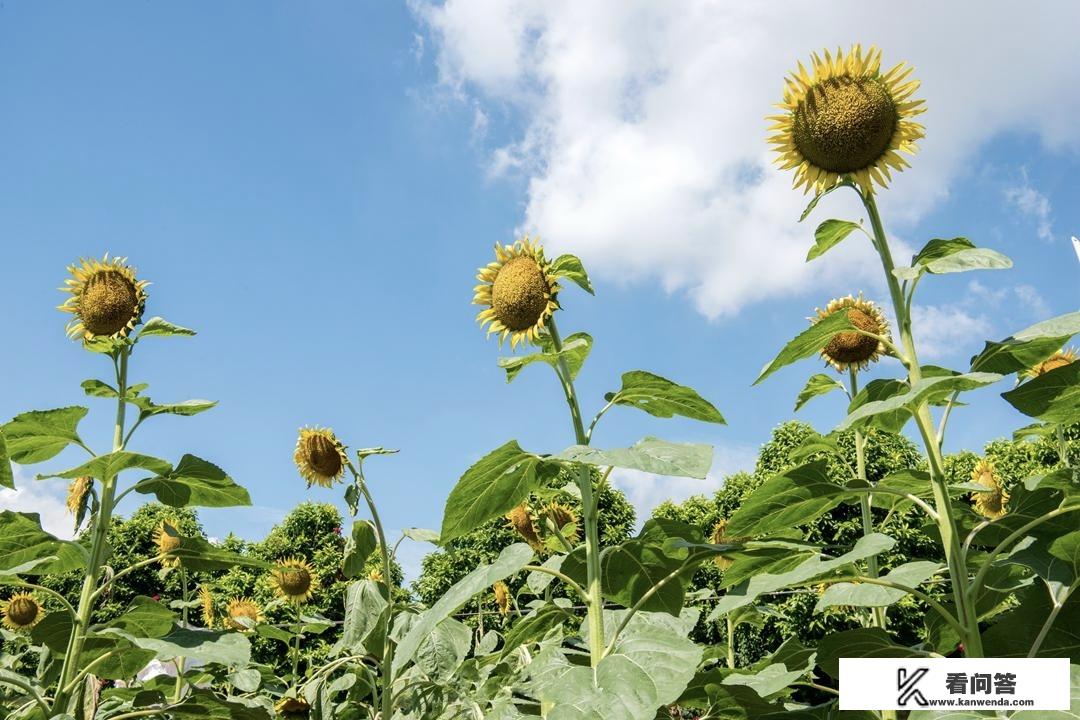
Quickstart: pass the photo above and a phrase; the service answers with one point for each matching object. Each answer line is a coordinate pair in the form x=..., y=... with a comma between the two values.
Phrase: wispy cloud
x=1033, y=203
x=948, y=330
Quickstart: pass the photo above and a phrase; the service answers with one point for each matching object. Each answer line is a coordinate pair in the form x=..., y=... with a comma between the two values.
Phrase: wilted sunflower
x=1065, y=356
x=719, y=537
x=106, y=298
x=851, y=349
x=845, y=118
x=564, y=518
x=990, y=504
x=520, y=291
x=295, y=580
x=77, y=493
x=242, y=609
x=292, y=708
x=320, y=456
x=502, y=597
x=167, y=539
x=520, y=520
x=206, y=599
x=22, y=611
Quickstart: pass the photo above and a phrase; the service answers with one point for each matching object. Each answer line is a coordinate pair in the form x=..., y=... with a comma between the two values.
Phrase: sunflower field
x=546, y=597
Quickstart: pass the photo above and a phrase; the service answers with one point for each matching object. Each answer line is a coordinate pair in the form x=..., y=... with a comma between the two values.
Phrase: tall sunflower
x=243, y=614
x=320, y=456
x=851, y=349
x=295, y=580
x=845, y=118
x=167, y=538
x=21, y=611
x=992, y=503
x=107, y=298
x=520, y=291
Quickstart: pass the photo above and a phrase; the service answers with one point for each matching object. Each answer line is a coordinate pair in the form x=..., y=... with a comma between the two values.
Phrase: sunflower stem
x=730, y=641
x=878, y=614
x=954, y=556
x=98, y=547
x=589, y=511
x=179, y=690
x=1063, y=448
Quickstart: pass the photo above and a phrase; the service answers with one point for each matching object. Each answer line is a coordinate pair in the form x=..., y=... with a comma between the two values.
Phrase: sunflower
x=375, y=575
x=565, y=519
x=207, y=601
x=852, y=349
x=1065, y=356
x=846, y=119
x=320, y=456
x=167, y=539
x=992, y=503
x=243, y=614
x=520, y=292
x=295, y=580
x=76, y=494
x=22, y=611
x=719, y=537
x=292, y=708
x=520, y=520
x=502, y=597
x=106, y=298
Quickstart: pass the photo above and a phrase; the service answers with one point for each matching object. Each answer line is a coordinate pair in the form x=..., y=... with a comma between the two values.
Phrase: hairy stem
x=878, y=614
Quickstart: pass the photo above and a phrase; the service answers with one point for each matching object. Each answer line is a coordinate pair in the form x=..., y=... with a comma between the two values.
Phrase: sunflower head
x=22, y=611
x=106, y=298
x=719, y=537
x=520, y=292
x=502, y=597
x=992, y=503
x=167, y=538
x=243, y=614
x=565, y=519
x=206, y=601
x=521, y=521
x=845, y=118
x=76, y=494
x=292, y=708
x=320, y=456
x=375, y=575
x=851, y=349
x=1063, y=357
x=295, y=580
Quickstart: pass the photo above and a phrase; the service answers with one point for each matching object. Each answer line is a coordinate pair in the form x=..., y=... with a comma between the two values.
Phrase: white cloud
x=948, y=331
x=46, y=497
x=645, y=491
x=1031, y=202
x=643, y=131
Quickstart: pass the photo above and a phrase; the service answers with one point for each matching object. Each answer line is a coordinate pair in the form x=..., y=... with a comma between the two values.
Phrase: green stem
x=730, y=641
x=179, y=690
x=954, y=556
x=296, y=645
x=566, y=579
x=98, y=549
x=589, y=511
x=1063, y=448
x=878, y=614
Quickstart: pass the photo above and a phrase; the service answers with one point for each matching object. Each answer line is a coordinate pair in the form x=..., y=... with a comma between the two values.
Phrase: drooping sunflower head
x=167, y=538
x=565, y=519
x=521, y=521
x=292, y=708
x=719, y=537
x=502, y=597
x=22, y=611
x=520, y=292
x=295, y=580
x=107, y=298
x=852, y=349
x=320, y=456
x=845, y=118
x=1063, y=357
x=76, y=493
x=206, y=602
x=991, y=504
x=243, y=614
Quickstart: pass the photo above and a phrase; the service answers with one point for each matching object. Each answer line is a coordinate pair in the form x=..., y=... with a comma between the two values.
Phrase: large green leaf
x=793, y=498
x=651, y=455
x=208, y=646
x=195, y=553
x=26, y=549
x=828, y=234
x=492, y=487
x=124, y=660
x=1016, y=631
x=1051, y=397
x=819, y=384
x=358, y=546
x=53, y=631
x=39, y=435
x=649, y=666
x=148, y=408
x=808, y=343
x=632, y=570
x=510, y=560
x=661, y=397
x=1029, y=347
x=7, y=478
x=805, y=572
x=111, y=464
x=958, y=255
x=159, y=327
x=910, y=574
x=144, y=617
x=570, y=267
x=861, y=643
x=924, y=390
x=365, y=605
x=195, y=482
x=575, y=350
x=442, y=651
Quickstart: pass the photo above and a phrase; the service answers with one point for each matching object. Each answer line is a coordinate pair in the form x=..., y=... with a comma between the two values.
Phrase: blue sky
x=313, y=187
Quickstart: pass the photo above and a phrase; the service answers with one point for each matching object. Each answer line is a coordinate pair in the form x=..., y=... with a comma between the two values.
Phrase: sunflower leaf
x=148, y=408
x=111, y=464
x=359, y=545
x=575, y=350
x=194, y=482
x=22, y=542
x=828, y=235
x=1029, y=347
x=819, y=384
x=663, y=398
x=39, y=435
x=793, y=498
x=925, y=390
x=160, y=327
x=650, y=455
x=808, y=343
x=570, y=267
x=7, y=478
x=1052, y=397
x=958, y=255
x=817, y=198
